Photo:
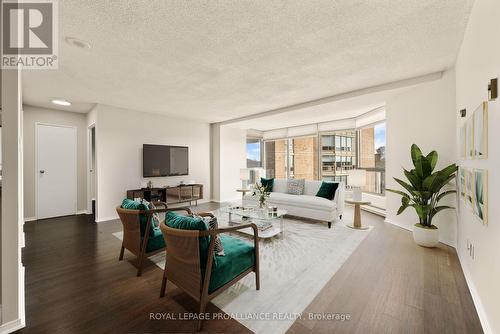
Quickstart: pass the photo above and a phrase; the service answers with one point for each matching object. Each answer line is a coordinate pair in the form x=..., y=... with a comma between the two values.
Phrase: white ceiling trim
x=371, y=117
x=355, y=93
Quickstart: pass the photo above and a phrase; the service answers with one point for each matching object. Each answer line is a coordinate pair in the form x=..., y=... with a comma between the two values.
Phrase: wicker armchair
x=185, y=268
x=133, y=240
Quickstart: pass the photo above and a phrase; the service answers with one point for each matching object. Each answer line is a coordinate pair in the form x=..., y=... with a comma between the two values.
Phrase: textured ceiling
x=218, y=60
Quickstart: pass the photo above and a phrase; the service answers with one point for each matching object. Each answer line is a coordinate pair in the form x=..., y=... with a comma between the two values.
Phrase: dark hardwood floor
x=75, y=284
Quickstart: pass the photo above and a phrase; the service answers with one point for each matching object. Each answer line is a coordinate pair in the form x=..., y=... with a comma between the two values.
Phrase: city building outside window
x=330, y=156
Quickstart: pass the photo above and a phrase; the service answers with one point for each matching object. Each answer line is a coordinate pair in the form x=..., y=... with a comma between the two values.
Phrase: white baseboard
x=12, y=326
x=107, y=219
x=225, y=201
x=374, y=210
x=475, y=298
x=441, y=240
x=79, y=212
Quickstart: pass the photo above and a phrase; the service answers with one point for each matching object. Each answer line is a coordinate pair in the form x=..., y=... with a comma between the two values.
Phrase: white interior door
x=55, y=171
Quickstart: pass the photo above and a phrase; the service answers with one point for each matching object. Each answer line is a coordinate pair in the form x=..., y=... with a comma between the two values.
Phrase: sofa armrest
x=340, y=198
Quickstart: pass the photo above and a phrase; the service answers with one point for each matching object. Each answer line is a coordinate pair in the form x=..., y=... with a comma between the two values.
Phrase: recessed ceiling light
x=61, y=102
x=79, y=43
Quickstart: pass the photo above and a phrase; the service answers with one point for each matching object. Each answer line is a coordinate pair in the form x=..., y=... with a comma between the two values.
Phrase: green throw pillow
x=143, y=218
x=327, y=190
x=267, y=183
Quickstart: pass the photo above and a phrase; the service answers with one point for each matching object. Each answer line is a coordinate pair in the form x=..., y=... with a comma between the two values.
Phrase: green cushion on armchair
x=143, y=218
x=182, y=222
x=155, y=241
x=239, y=256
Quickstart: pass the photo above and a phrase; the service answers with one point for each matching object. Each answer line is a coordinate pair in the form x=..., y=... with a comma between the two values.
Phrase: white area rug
x=293, y=270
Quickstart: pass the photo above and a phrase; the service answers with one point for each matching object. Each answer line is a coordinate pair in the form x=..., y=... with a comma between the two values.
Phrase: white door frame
x=89, y=167
x=36, y=162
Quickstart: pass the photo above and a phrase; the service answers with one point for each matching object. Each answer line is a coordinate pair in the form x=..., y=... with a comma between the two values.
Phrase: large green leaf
x=432, y=158
x=401, y=209
x=405, y=185
x=422, y=210
x=399, y=192
x=443, y=194
x=425, y=195
x=440, y=208
x=442, y=179
x=429, y=180
x=415, y=153
x=423, y=167
x=412, y=176
x=449, y=170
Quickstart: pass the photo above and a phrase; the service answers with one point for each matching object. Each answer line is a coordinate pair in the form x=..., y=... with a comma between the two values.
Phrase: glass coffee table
x=269, y=223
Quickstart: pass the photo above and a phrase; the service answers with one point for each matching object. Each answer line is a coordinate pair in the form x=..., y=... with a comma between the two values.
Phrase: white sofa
x=307, y=205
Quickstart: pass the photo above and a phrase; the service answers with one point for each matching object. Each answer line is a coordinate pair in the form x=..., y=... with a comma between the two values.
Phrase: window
x=372, y=141
x=253, y=153
x=303, y=157
x=336, y=163
x=276, y=164
x=330, y=156
x=292, y=158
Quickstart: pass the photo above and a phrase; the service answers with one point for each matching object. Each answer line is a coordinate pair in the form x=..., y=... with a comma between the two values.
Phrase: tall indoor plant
x=424, y=191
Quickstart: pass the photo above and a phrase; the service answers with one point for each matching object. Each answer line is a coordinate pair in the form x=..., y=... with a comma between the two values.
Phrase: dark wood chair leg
x=257, y=280
x=163, y=286
x=139, y=270
x=329, y=224
x=121, y=253
x=203, y=305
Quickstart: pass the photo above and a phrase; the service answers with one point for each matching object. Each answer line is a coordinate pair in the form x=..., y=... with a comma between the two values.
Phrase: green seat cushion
x=181, y=222
x=327, y=190
x=239, y=256
x=155, y=241
x=267, y=183
x=143, y=218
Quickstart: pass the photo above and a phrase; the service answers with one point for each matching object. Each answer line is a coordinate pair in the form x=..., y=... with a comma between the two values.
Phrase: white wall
x=477, y=63
x=423, y=114
x=233, y=157
x=12, y=271
x=215, y=161
x=229, y=156
x=120, y=134
x=33, y=115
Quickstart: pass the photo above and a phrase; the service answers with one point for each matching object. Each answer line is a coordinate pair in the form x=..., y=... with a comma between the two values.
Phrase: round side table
x=357, y=214
x=243, y=192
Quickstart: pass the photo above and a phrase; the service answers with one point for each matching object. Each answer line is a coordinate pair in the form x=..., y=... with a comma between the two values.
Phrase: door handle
x=42, y=171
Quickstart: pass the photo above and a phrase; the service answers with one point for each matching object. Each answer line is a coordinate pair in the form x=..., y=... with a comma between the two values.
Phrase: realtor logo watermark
x=29, y=34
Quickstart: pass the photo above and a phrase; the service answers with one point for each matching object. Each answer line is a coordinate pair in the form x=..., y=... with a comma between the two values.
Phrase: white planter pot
x=426, y=237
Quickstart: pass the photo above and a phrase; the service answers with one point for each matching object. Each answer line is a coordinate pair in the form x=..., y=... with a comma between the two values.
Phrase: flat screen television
x=163, y=160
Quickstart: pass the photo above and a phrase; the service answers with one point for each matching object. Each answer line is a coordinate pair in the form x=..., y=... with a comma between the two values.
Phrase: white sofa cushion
x=312, y=187
x=279, y=186
x=305, y=201
x=307, y=205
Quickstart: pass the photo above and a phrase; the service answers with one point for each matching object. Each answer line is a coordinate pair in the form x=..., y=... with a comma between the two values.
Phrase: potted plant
x=424, y=191
x=261, y=191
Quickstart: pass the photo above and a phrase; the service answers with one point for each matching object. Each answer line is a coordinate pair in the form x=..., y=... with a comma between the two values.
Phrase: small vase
x=262, y=204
